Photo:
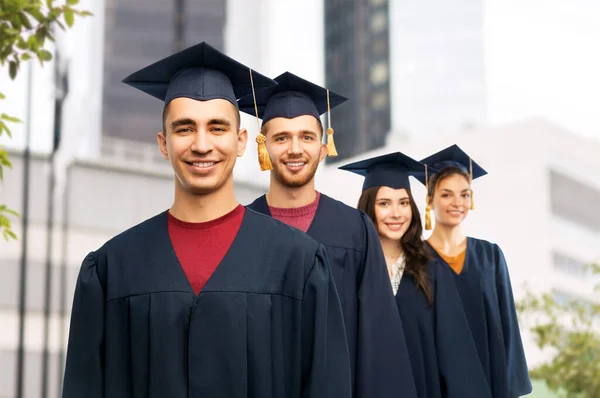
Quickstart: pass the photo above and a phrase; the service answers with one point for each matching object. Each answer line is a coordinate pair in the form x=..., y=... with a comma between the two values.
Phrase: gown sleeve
x=519, y=383
x=325, y=358
x=84, y=369
x=382, y=365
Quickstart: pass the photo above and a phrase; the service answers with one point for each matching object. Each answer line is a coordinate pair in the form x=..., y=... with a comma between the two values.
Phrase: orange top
x=455, y=262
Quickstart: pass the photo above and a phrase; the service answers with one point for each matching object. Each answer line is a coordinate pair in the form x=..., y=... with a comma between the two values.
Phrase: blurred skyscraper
x=137, y=33
x=357, y=65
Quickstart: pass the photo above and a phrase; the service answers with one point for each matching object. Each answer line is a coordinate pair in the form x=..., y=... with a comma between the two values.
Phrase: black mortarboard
x=199, y=72
x=293, y=96
x=391, y=170
x=453, y=156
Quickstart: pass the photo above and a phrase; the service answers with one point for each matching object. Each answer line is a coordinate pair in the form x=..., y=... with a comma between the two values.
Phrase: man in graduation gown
x=207, y=299
x=291, y=136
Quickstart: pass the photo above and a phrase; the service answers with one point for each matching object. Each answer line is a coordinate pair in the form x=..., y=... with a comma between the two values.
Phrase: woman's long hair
x=415, y=251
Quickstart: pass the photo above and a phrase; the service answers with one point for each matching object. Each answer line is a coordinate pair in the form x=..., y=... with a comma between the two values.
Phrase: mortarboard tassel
x=331, y=151
x=428, y=207
x=263, y=155
x=470, y=182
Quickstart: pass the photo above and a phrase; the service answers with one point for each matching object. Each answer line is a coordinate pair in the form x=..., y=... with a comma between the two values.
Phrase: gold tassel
x=331, y=151
x=264, y=160
x=427, y=208
x=263, y=155
x=428, y=218
x=471, y=182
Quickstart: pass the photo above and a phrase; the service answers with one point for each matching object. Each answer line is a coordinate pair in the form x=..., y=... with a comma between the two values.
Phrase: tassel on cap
x=428, y=207
x=471, y=177
x=331, y=151
x=263, y=155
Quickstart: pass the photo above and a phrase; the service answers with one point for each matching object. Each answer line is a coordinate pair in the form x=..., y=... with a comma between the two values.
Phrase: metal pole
x=62, y=298
x=24, y=237
x=179, y=24
x=58, y=105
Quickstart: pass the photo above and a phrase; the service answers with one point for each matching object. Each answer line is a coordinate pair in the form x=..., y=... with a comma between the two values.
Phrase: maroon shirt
x=200, y=247
x=298, y=217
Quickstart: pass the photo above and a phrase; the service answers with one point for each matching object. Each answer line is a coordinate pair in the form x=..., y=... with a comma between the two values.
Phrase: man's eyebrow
x=182, y=122
x=222, y=122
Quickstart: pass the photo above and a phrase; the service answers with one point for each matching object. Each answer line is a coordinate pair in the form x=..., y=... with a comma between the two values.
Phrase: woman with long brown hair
x=441, y=351
x=479, y=270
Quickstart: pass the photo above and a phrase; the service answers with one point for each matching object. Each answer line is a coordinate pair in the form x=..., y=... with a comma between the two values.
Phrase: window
x=378, y=22
x=379, y=73
x=574, y=201
x=379, y=101
x=569, y=265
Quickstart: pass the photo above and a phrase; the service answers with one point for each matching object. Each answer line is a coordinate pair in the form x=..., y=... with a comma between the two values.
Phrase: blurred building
x=357, y=65
x=138, y=33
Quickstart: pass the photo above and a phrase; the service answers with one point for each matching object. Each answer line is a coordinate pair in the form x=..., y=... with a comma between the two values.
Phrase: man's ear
x=161, y=139
x=242, y=141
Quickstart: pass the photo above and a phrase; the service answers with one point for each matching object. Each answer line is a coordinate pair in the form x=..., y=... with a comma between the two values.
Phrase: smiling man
x=292, y=133
x=207, y=299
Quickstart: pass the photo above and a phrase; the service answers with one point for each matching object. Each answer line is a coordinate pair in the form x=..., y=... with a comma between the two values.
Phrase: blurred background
x=514, y=83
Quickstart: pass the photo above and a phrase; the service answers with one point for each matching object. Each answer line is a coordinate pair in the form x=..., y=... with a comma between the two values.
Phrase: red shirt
x=299, y=217
x=200, y=247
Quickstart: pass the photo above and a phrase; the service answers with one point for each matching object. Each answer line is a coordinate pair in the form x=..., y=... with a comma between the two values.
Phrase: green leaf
x=2, y=129
x=83, y=13
x=2, y=96
x=12, y=69
x=25, y=57
x=21, y=43
x=25, y=21
x=16, y=23
x=40, y=35
x=35, y=12
x=49, y=3
x=69, y=16
x=14, y=213
x=12, y=119
x=8, y=234
x=44, y=55
x=72, y=2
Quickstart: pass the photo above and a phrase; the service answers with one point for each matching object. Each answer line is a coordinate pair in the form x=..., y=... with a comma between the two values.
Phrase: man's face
x=295, y=148
x=202, y=141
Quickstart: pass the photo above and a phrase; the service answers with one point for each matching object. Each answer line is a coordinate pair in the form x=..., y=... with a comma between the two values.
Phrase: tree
x=26, y=26
x=569, y=331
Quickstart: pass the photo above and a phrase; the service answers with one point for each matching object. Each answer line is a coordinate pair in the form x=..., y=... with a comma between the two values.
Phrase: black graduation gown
x=486, y=294
x=268, y=323
x=443, y=356
x=378, y=353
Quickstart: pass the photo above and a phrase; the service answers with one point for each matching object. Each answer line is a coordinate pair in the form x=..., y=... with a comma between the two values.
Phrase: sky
x=542, y=59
